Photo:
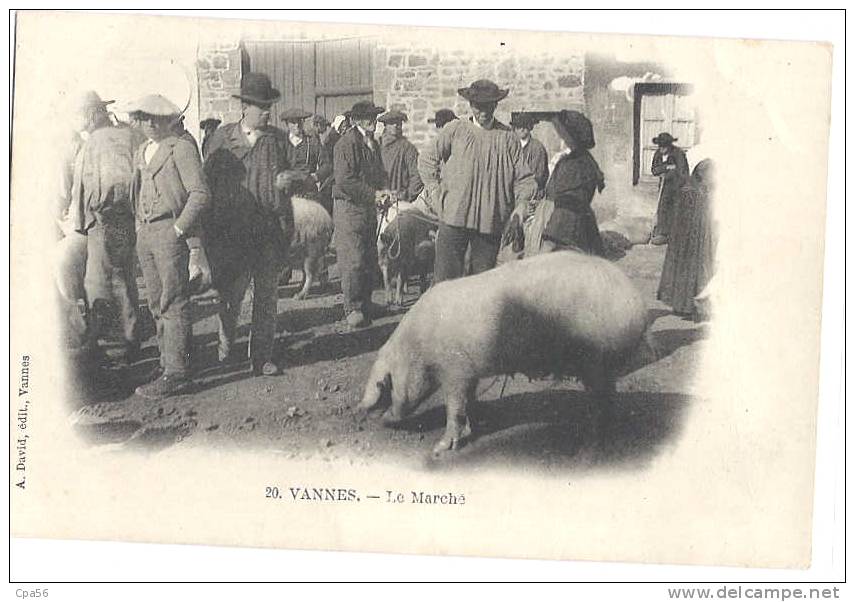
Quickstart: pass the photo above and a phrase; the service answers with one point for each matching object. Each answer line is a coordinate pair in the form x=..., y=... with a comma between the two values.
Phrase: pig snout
x=378, y=394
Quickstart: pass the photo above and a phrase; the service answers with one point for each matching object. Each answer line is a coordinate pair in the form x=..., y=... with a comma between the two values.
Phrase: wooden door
x=325, y=77
x=344, y=75
x=291, y=68
x=669, y=112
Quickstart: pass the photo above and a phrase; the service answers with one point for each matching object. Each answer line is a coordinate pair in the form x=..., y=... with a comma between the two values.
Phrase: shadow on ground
x=557, y=429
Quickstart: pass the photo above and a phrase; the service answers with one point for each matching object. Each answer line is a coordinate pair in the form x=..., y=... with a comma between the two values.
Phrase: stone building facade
x=219, y=68
x=419, y=79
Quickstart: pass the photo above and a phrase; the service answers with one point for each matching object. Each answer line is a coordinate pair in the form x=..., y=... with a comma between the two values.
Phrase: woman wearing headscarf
x=691, y=250
x=571, y=187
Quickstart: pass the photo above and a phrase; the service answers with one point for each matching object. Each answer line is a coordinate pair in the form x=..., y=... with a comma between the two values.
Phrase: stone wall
x=219, y=71
x=419, y=79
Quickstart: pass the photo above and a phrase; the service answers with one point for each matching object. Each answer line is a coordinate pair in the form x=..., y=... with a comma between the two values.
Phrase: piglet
x=406, y=247
x=563, y=313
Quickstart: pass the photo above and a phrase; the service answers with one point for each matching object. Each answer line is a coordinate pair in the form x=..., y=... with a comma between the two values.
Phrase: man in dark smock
x=305, y=153
x=400, y=158
x=358, y=176
x=670, y=164
x=251, y=224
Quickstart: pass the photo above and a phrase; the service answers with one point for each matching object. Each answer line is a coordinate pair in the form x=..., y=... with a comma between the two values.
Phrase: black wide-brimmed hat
x=363, y=109
x=664, y=139
x=578, y=126
x=442, y=117
x=393, y=117
x=483, y=90
x=256, y=88
x=294, y=114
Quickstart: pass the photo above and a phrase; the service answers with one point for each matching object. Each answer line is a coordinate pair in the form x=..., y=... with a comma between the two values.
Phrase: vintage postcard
x=416, y=290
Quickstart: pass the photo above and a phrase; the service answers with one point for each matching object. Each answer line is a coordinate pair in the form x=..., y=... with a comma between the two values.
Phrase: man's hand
x=200, y=270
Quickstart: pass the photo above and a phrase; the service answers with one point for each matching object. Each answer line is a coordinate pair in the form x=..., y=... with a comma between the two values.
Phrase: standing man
x=328, y=137
x=101, y=209
x=533, y=152
x=169, y=194
x=670, y=164
x=484, y=180
x=305, y=154
x=358, y=176
x=251, y=224
x=400, y=158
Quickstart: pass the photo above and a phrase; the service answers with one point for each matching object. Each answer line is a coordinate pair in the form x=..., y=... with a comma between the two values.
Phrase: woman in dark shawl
x=571, y=187
x=691, y=250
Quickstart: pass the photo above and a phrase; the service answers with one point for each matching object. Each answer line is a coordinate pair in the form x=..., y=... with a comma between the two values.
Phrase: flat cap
x=153, y=104
x=294, y=114
x=393, y=116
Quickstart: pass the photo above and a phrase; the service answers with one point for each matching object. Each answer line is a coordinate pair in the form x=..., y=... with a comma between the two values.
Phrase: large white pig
x=564, y=313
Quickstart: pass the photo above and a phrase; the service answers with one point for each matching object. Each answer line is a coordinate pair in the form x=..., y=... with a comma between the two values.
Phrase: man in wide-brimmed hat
x=169, y=195
x=670, y=164
x=252, y=223
x=359, y=174
x=400, y=157
x=305, y=153
x=534, y=153
x=484, y=179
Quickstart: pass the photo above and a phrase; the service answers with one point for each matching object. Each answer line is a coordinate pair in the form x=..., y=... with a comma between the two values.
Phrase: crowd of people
x=220, y=214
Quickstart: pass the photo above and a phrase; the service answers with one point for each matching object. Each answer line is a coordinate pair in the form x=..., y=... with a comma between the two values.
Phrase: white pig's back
x=585, y=298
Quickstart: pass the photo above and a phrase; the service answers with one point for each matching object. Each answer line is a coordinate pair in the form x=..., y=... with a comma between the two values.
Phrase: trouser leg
x=354, y=246
x=153, y=286
x=368, y=252
x=110, y=281
x=485, y=249
x=170, y=260
x=127, y=296
x=451, y=244
x=265, y=278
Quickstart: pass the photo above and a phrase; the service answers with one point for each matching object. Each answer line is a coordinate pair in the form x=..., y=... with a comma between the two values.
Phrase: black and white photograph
x=420, y=290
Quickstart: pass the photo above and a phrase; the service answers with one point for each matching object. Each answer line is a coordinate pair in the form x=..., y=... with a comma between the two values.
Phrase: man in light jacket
x=169, y=195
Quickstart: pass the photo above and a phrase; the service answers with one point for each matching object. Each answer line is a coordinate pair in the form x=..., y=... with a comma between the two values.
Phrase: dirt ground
x=309, y=410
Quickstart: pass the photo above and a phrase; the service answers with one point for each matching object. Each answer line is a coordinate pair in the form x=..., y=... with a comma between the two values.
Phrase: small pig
x=313, y=228
x=404, y=248
x=562, y=313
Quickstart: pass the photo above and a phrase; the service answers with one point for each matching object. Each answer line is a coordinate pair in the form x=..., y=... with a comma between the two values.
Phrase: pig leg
x=457, y=428
x=400, y=284
x=309, y=270
x=285, y=276
x=600, y=385
x=387, y=284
